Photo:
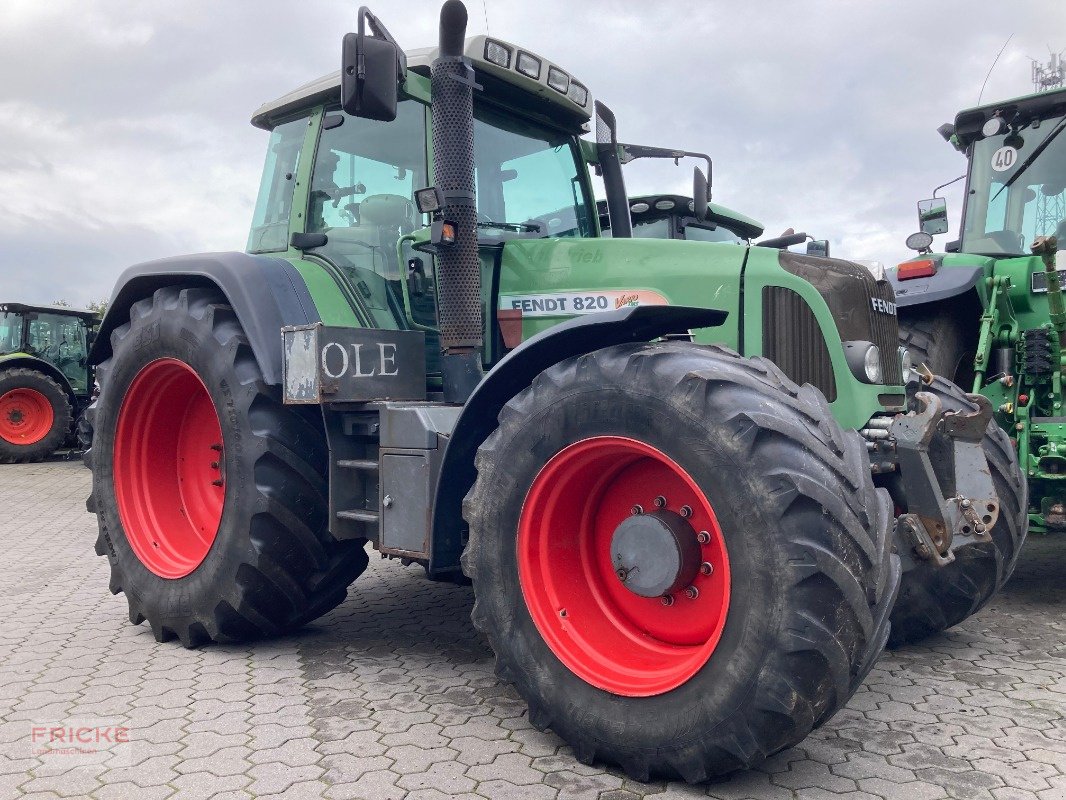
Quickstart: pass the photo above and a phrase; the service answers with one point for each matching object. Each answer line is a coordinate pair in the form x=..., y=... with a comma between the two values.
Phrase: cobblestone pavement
x=392, y=695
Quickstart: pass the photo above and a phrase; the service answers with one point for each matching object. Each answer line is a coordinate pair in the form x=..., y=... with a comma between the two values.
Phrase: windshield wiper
x=1040, y=148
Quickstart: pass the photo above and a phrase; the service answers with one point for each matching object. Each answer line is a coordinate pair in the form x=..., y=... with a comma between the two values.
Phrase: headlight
x=498, y=54
x=578, y=93
x=558, y=80
x=864, y=359
x=528, y=65
x=906, y=364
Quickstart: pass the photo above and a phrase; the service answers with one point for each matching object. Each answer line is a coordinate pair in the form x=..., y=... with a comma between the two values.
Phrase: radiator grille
x=793, y=340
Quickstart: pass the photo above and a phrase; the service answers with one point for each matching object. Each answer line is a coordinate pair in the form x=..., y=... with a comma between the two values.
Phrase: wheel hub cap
x=655, y=554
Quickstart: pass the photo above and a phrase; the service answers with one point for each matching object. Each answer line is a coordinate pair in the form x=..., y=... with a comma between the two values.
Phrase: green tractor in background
x=988, y=312
x=46, y=381
x=654, y=460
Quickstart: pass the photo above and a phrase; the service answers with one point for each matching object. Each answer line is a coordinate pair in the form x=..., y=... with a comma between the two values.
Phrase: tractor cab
x=58, y=336
x=357, y=177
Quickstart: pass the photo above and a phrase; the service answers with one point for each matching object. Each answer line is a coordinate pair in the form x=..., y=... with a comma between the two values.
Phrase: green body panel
x=632, y=271
x=542, y=278
x=856, y=402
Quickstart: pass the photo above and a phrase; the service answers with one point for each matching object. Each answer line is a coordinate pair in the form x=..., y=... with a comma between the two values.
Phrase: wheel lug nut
x=686, y=511
x=667, y=600
x=638, y=510
x=692, y=592
x=703, y=537
x=706, y=568
x=660, y=502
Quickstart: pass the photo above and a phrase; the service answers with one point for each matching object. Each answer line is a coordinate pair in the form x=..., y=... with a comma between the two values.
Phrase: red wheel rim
x=168, y=468
x=26, y=416
x=605, y=634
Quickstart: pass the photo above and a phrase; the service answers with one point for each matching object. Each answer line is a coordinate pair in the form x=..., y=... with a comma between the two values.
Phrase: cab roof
x=1041, y=105
x=537, y=92
x=24, y=308
x=739, y=223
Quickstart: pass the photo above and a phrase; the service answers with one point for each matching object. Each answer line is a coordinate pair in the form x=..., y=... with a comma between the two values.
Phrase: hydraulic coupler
x=944, y=475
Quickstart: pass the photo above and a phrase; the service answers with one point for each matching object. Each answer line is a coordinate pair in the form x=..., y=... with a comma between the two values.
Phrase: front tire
x=35, y=416
x=210, y=494
x=777, y=636
x=933, y=599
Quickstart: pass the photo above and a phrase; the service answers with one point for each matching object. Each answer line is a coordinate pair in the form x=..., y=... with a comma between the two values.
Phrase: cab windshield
x=1009, y=203
x=362, y=198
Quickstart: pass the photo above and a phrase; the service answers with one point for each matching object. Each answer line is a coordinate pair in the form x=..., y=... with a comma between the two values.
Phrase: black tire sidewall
x=183, y=337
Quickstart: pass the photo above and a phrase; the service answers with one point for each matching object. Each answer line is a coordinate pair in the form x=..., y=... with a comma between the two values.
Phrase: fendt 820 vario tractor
x=989, y=312
x=45, y=378
x=645, y=455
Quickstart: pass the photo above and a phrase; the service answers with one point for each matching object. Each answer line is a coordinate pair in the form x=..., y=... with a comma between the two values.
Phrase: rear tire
x=807, y=552
x=940, y=338
x=35, y=416
x=932, y=599
x=182, y=375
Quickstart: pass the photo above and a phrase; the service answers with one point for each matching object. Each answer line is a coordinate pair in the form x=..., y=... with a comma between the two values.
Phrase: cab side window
x=362, y=198
x=270, y=222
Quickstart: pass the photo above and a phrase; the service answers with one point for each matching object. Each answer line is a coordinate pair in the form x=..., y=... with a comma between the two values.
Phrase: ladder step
x=360, y=516
x=368, y=464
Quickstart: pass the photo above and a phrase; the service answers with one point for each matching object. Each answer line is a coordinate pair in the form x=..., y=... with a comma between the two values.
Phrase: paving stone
x=392, y=695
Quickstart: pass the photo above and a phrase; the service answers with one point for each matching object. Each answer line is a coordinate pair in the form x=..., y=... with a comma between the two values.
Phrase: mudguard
x=266, y=293
x=945, y=283
x=27, y=361
x=514, y=373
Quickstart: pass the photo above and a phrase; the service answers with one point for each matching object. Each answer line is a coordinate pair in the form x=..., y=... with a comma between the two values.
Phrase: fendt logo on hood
x=884, y=306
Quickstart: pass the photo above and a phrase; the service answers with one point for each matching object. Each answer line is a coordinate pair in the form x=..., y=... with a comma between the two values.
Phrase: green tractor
x=988, y=312
x=46, y=381
x=655, y=461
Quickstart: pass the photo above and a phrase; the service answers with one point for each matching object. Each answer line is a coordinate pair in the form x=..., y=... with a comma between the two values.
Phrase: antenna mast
x=1051, y=75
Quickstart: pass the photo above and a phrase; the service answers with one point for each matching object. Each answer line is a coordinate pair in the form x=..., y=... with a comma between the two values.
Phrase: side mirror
x=818, y=247
x=699, y=194
x=933, y=215
x=372, y=68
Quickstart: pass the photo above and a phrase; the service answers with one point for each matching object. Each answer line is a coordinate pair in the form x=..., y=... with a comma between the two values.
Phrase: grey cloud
x=124, y=128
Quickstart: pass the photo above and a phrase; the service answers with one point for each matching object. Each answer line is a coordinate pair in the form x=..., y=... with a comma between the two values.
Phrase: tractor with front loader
x=988, y=313
x=655, y=461
x=46, y=381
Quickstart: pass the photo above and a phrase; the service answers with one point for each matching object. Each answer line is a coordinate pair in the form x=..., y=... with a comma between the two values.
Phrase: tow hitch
x=945, y=477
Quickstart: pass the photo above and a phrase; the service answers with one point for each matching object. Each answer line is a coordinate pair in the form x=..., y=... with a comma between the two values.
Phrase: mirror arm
x=367, y=17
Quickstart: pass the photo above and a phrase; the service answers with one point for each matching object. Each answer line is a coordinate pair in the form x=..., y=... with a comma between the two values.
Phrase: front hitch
x=951, y=500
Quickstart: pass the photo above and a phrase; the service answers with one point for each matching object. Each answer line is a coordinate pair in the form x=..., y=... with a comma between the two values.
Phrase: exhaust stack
x=458, y=265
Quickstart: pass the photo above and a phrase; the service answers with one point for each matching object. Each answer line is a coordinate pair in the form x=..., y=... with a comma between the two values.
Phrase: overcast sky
x=124, y=131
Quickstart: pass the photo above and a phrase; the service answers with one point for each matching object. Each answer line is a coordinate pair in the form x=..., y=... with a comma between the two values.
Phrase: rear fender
x=513, y=374
x=25, y=361
x=946, y=283
x=266, y=293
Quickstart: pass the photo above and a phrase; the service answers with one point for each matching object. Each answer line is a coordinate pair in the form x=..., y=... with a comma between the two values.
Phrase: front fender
x=513, y=374
x=27, y=361
x=945, y=283
x=266, y=293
